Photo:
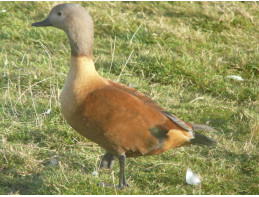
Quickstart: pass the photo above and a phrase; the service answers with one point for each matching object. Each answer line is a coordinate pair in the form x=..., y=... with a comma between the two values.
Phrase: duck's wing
x=136, y=93
x=153, y=104
x=121, y=122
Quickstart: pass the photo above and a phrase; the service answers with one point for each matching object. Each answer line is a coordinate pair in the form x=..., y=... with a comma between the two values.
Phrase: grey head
x=78, y=25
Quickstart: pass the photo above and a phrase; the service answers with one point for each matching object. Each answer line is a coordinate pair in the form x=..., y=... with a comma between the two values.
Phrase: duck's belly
x=94, y=131
x=73, y=113
x=91, y=129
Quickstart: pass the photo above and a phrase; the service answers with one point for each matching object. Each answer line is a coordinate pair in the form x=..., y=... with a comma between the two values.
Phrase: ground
x=180, y=54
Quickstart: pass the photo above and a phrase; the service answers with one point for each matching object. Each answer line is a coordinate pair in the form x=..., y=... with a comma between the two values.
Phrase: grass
x=178, y=53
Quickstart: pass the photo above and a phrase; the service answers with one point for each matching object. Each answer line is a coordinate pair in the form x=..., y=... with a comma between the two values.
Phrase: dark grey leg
x=107, y=161
x=122, y=180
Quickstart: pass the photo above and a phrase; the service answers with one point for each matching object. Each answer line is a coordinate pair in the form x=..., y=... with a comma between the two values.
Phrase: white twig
x=29, y=89
x=113, y=51
x=198, y=98
x=124, y=67
x=33, y=104
x=5, y=65
x=62, y=170
x=135, y=33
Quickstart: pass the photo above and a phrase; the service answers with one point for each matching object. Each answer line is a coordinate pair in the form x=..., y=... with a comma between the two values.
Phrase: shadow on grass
x=18, y=184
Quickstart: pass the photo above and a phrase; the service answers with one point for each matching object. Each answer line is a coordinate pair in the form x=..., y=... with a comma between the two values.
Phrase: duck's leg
x=122, y=180
x=107, y=161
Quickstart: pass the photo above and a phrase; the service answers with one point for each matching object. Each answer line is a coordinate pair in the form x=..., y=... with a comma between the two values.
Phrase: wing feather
x=152, y=103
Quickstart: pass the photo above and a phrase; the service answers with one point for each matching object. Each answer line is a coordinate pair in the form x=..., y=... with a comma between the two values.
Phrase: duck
x=123, y=121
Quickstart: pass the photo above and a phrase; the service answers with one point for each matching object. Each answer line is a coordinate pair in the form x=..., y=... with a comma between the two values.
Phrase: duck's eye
x=60, y=13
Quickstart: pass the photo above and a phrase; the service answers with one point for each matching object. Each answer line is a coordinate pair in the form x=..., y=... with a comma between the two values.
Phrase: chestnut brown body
x=119, y=118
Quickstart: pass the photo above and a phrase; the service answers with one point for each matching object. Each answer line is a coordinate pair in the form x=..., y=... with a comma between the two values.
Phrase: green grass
x=178, y=53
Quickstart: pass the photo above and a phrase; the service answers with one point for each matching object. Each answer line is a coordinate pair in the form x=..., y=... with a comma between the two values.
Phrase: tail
x=200, y=139
x=202, y=127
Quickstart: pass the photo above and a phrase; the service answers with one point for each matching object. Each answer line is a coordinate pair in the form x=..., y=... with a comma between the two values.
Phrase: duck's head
x=76, y=22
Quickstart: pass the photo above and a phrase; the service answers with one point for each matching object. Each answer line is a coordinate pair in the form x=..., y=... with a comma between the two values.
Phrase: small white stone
x=192, y=178
x=3, y=140
x=131, y=85
x=2, y=11
x=48, y=111
x=95, y=173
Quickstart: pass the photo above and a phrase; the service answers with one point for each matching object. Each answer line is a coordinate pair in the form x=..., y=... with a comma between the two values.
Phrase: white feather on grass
x=192, y=178
x=238, y=78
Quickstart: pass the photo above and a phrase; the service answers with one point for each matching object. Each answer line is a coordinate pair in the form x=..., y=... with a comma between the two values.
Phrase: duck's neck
x=80, y=47
x=81, y=38
x=83, y=63
x=82, y=79
x=82, y=69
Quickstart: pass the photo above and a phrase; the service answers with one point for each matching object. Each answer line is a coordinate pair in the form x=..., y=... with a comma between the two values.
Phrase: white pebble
x=3, y=140
x=95, y=173
x=48, y=111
